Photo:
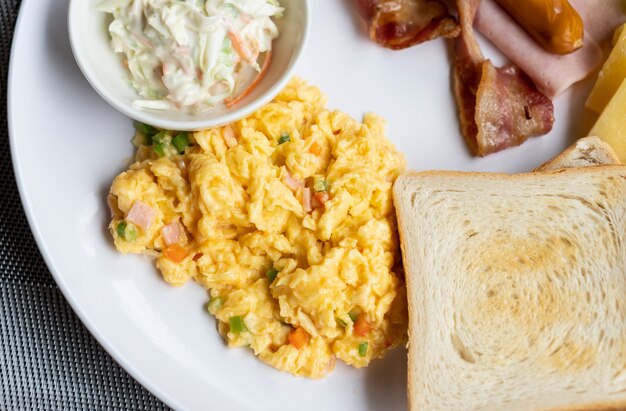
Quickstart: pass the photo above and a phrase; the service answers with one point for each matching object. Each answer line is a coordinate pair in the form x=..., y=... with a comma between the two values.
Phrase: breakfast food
x=190, y=54
x=601, y=17
x=611, y=76
x=515, y=288
x=611, y=126
x=551, y=73
x=586, y=152
x=555, y=45
x=498, y=107
x=400, y=24
x=286, y=217
x=554, y=24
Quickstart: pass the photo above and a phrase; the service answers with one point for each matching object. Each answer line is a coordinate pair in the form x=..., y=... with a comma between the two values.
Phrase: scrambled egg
x=286, y=217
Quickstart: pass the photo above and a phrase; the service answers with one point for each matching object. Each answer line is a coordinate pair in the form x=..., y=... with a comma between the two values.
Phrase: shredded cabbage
x=189, y=53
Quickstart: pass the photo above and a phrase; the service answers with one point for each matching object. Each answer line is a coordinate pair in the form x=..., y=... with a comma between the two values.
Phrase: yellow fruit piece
x=611, y=76
x=611, y=126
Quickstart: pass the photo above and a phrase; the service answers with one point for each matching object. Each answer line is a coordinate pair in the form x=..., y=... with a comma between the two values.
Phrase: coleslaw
x=192, y=53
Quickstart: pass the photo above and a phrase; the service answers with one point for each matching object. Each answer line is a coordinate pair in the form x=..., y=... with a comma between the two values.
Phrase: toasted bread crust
x=447, y=197
x=586, y=152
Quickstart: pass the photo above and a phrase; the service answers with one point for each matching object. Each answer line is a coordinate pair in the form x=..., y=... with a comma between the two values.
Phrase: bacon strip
x=498, y=107
x=398, y=24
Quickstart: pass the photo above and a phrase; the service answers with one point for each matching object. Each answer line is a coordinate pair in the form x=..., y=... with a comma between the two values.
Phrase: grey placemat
x=48, y=360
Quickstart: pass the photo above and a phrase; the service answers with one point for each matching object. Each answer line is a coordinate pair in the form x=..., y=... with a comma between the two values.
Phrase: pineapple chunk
x=610, y=77
x=611, y=126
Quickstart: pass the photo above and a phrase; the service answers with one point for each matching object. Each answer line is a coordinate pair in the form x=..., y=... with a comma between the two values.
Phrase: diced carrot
x=362, y=326
x=231, y=101
x=322, y=197
x=298, y=337
x=315, y=149
x=175, y=253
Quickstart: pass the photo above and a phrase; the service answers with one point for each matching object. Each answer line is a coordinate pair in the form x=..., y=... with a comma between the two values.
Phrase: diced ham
x=291, y=182
x=171, y=233
x=551, y=73
x=306, y=200
x=229, y=136
x=601, y=17
x=141, y=215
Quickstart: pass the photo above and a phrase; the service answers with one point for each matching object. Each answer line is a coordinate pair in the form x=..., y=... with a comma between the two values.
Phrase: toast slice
x=588, y=151
x=516, y=289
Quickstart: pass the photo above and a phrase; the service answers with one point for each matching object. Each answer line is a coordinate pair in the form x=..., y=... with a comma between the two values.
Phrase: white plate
x=68, y=144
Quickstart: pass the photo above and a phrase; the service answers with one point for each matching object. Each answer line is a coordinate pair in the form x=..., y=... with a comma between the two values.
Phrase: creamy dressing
x=190, y=53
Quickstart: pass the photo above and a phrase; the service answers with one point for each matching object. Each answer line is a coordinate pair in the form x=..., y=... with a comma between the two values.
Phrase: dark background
x=48, y=360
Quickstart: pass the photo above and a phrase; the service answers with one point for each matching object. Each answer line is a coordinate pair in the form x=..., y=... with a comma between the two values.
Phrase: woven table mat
x=48, y=360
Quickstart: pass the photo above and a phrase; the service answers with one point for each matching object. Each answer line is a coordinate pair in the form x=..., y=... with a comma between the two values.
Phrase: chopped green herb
x=126, y=231
x=353, y=315
x=321, y=185
x=237, y=325
x=271, y=274
x=145, y=129
x=181, y=142
x=284, y=138
x=160, y=149
x=215, y=304
x=160, y=138
x=363, y=348
x=121, y=228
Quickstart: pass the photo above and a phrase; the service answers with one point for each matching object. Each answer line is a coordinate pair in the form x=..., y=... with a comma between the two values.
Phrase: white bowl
x=90, y=41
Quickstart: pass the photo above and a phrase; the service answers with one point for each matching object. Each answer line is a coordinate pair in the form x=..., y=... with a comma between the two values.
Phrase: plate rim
x=19, y=28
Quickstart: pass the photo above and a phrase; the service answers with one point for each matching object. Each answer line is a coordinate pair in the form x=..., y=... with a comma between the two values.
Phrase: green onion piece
x=126, y=231
x=353, y=315
x=145, y=129
x=321, y=186
x=160, y=138
x=237, y=325
x=131, y=233
x=181, y=142
x=341, y=322
x=363, y=348
x=284, y=138
x=271, y=274
x=121, y=229
x=160, y=149
x=215, y=304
